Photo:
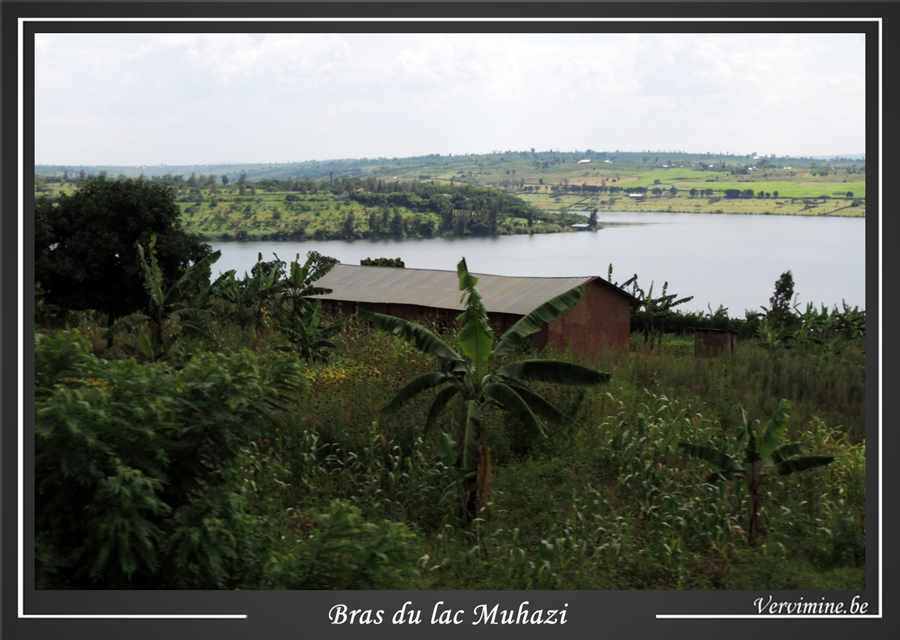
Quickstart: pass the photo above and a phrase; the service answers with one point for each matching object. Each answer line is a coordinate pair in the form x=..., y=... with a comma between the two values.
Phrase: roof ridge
x=491, y=275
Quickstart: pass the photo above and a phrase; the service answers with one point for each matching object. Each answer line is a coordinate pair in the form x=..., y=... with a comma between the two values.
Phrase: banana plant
x=761, y=457
x=851, y=324
x=299, y=285
x=472, y=379
x=772, y=337
x=301, y=321
x=252, y=297
x=177, y=304
x=231, y=290
x=306, y=335
x=657, y=310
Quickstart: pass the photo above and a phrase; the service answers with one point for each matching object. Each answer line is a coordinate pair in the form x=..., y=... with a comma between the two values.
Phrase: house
x=714, y=342
x=600, y=320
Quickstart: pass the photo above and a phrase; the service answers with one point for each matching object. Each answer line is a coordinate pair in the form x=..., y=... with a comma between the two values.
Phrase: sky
x=186, y=99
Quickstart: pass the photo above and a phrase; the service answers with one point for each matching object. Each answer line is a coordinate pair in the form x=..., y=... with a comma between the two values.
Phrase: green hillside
x=317, y=197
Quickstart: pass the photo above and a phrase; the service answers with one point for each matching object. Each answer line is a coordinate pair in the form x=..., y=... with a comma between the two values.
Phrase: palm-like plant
x=471, y=378
x=657, y=310
x=761, y=457
x=300, y=284
x=251, y=298
x=181, y=303
x=772, y=337
x=306, y=334
x=301, y=321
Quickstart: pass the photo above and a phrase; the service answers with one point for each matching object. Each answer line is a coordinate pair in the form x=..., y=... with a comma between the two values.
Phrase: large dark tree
x=86, y=246
x=780, y=312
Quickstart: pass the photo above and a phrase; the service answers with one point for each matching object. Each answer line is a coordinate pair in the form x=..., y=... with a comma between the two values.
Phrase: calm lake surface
x=729, y=260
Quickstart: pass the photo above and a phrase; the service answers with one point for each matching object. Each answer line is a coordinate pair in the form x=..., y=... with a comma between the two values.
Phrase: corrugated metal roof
x=440, y=289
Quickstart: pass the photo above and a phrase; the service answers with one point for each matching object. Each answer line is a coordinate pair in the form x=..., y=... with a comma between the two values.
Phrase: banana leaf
x=553, y=371
x=126, y=323
x=422, y=338
x=414, y=387
x=516, y=406
x=535, y=321
x=795, y=465
x=536, y=402
x=475, y=338
x=440, y=401
x=773, y=434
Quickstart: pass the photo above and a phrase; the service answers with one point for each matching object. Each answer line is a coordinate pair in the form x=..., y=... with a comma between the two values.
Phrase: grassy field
x=684, y=203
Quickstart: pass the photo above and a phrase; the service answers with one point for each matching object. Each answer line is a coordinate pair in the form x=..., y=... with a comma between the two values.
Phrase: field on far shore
x=553, y=181
x=684, y=203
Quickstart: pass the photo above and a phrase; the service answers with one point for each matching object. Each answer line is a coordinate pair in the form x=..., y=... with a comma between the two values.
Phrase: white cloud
x=187, y=98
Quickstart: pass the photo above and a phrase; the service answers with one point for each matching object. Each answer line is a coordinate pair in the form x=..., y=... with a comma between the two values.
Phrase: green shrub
x=135, y=464
x=345, y=552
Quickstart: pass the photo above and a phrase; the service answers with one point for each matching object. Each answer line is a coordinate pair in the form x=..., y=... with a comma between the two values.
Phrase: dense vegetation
x=85, y=244
x=346, y=208
x=274, y=466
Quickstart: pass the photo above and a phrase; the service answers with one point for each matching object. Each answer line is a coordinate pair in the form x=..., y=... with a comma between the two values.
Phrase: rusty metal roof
x=440, y=289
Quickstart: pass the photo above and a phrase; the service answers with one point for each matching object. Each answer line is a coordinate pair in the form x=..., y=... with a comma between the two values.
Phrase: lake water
x=729, y=260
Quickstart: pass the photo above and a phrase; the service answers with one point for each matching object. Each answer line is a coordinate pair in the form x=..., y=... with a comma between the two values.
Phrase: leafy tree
x=780, y=313
x=471, y=378
x=85, y=246
x=397, y=225
x=348, y=227
x=383, y=262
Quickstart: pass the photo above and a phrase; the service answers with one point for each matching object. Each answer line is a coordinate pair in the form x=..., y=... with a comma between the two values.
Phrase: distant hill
x=843, y=156
x=491, y=168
